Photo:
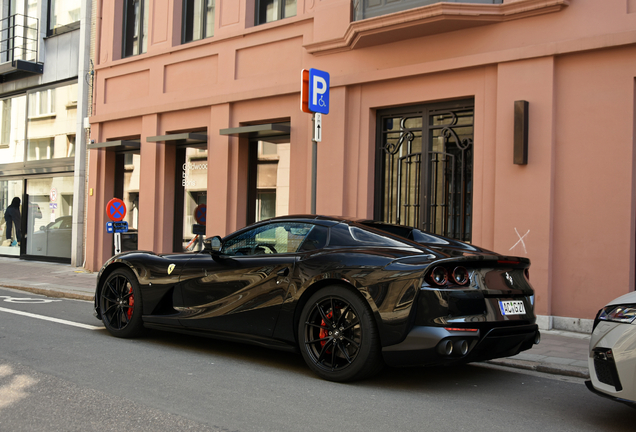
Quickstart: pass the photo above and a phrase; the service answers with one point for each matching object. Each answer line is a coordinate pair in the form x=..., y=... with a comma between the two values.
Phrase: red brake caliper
x=131, y=303
x=324, y=332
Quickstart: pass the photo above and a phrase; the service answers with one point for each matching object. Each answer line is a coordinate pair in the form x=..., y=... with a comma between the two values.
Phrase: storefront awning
x=118, y=146
x=186, y=138
x=265, y=132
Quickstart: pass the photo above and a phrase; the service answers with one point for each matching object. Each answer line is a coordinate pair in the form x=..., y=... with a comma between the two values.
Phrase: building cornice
x=432, y=19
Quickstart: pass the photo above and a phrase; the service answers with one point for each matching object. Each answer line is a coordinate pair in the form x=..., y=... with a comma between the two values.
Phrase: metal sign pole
x=314, y=165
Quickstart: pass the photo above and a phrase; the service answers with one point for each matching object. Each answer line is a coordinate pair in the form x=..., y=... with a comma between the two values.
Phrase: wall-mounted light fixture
x=521, y=133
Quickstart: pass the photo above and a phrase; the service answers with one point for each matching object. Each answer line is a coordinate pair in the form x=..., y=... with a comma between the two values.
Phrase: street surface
x=61, y=371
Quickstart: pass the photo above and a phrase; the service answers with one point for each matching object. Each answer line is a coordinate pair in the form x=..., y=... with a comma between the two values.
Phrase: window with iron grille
x=424, y=167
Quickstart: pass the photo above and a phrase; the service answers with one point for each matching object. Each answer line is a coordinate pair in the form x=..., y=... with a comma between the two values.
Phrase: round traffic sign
x=116, y=210
x=200, y=214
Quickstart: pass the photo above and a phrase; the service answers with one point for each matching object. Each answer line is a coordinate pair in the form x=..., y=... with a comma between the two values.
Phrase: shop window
x=50, y=223
x=64, y=16
x=127, y=168
x=198, y=20
x=273, y=10
x=10, y=237
x=50, y=127
x=135, y=27
x=193, y=190
x=12, y=129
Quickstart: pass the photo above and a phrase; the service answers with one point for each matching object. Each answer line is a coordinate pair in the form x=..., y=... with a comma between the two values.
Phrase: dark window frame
x=128, y=30
x=190, y=16
x=61, y=29
x=261, y=8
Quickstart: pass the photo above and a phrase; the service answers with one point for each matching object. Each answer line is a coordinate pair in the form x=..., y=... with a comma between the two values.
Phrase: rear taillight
x=439, y=276
x=460, y=275
x=448, y=276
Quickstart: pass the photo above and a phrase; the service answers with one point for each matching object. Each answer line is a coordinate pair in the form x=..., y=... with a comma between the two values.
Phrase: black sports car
x=350, y=295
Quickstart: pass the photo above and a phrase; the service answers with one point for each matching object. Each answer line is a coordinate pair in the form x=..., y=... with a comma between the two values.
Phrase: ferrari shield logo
x=170, y=268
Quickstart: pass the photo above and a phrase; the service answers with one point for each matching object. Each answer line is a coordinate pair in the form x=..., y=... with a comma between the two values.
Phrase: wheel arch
x=104, y=275
x=323, y=283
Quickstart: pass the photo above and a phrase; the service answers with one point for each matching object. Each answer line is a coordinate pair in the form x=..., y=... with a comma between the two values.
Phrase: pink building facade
x=201, y=105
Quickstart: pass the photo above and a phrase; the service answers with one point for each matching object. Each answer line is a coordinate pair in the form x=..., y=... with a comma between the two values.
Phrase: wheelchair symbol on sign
x=321, y=102
x=27, y=300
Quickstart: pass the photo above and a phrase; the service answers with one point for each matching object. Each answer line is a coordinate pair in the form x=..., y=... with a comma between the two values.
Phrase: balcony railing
x=363, y=9
x=19, y=44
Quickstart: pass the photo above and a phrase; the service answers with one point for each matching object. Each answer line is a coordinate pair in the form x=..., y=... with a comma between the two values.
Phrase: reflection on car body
x=350, y=295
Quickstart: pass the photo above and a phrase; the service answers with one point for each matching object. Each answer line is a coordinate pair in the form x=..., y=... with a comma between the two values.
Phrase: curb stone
x=572, y=371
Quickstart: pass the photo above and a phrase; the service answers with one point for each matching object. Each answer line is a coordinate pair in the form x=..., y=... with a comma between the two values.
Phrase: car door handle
x=284, y=272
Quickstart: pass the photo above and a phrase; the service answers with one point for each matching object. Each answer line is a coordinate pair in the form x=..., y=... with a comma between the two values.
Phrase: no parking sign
x=116, y=210
x=200, y=214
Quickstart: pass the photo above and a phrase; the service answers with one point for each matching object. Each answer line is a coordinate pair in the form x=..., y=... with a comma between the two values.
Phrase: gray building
x=44, y=82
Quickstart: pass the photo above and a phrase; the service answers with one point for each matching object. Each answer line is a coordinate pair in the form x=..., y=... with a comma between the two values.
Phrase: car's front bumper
x=612, y=361
x=426, y=345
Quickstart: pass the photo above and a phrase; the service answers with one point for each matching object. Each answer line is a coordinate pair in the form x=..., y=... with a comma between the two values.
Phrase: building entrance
x=424, y=167
x=191, y=190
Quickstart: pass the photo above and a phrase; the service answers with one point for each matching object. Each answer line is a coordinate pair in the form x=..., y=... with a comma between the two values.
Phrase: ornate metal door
x=424, y=167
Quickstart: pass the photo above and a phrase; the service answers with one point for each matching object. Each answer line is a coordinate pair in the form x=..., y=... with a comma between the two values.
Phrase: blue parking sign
x=319, y=91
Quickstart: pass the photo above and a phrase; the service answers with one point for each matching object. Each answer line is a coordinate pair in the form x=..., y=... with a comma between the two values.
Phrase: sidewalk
x=561, y=353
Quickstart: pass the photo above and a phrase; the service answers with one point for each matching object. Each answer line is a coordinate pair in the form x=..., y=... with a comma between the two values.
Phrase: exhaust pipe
x=460, y=347
x=445, y=347
x=537, y=338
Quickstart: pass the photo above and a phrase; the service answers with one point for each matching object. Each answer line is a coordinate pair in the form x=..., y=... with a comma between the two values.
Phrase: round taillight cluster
x=440, y=276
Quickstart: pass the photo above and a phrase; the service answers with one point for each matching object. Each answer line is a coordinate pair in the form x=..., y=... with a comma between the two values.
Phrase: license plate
x=512, y=307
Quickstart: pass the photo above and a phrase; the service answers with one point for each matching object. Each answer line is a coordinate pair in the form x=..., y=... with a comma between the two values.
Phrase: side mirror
x=213, y=245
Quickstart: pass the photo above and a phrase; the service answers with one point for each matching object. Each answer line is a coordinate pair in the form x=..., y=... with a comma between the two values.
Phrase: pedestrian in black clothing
x=12, y=216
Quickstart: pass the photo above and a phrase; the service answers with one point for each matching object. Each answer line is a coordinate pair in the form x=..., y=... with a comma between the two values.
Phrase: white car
x=612, y=357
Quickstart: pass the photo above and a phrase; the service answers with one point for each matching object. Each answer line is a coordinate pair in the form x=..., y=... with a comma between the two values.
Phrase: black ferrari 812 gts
x=350, y=295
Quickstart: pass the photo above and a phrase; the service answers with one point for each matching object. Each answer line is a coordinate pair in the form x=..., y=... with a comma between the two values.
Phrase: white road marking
x=27, y=300
x=57, y=320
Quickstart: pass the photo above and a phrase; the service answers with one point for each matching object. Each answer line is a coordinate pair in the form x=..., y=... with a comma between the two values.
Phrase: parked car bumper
x=612, y=361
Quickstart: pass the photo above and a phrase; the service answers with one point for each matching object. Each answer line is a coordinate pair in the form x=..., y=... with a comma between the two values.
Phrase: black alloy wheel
x=338, y=337
x=120, y=304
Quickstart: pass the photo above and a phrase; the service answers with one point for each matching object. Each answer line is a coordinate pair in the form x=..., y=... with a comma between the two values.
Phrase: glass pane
x=290, y=8
x=50, y=217
x=209, y=20
x=268, y=11
x=195, y=182
x=144, y=19
x=266, y=205
x=269, y=239
x=272, y=180
x=51, y=123
x=10, y=220
x=132, y=165
x=12, y=130
x=64, y=12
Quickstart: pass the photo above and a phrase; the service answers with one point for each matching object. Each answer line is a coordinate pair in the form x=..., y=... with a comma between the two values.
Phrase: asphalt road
x=71, y=375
